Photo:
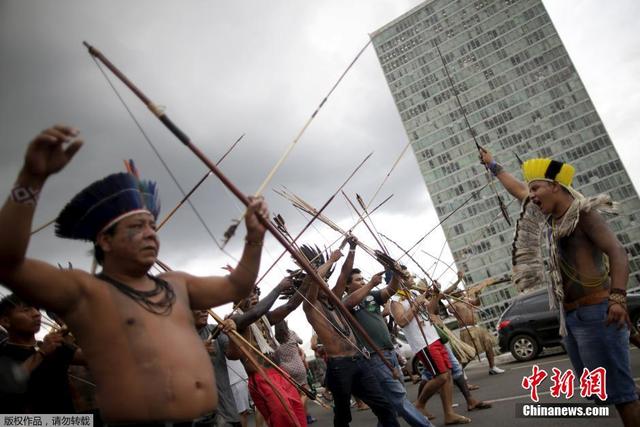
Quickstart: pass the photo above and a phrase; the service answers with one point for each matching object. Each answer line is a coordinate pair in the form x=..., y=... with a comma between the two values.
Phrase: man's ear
x=4, y=322
x=104, y=242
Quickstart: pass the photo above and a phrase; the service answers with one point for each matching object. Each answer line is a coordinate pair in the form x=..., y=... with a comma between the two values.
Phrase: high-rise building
x=522, y=96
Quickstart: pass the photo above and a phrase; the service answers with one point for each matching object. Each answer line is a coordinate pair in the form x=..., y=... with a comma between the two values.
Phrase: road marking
x=543, y=363
x=522, y=396
x=505, y=399
x=551, y=361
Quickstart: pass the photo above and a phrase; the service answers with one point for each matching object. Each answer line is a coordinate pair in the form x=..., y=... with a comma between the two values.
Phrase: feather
x=103, y=202
x=306, y=207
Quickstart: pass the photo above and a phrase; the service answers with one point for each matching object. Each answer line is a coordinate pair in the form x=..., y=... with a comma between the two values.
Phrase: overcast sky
x=223, y=69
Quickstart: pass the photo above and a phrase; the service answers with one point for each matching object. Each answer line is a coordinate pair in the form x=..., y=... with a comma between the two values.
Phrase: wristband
x=619, y=291
x=617, y=299
x=495, y=167
x=257, y=243
x=25, y=195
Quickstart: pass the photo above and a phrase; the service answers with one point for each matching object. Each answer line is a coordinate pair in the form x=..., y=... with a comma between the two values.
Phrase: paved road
x=504, y=391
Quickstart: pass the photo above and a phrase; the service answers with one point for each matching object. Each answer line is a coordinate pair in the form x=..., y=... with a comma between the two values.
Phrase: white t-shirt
x=236, y=371
x=412, y=330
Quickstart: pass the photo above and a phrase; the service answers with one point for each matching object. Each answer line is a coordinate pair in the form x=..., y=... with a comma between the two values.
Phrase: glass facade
x=522, y=96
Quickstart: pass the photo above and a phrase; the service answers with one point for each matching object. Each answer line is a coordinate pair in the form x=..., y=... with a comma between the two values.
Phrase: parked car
x=410, y=363
x=402, y=346
x=528, y=326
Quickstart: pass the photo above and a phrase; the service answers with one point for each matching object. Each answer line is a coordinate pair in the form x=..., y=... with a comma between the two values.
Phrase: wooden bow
x=182, y=137
x=503, y=209
x=434, y=287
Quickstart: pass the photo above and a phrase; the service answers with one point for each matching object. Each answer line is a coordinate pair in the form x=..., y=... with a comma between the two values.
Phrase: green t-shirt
x=369, y=314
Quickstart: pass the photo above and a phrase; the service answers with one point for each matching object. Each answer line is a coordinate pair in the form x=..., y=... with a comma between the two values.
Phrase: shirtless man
x=592, y=302
x=463, y=352
x=457, y=374
x=470, y=332
x=347, y=370
x=135, y=344
x=250, y=322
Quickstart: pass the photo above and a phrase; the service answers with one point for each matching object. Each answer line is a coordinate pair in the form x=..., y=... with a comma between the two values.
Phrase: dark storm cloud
x=259, y=68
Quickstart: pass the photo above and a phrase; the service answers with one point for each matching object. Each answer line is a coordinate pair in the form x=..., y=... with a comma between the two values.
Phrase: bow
x=195, y=187
x=433, y=285
x=238, y=340
x=182, y=137
x=393, y=265
x=243, y=340
x=503, y=208
x=308, y=254
x=381, y=256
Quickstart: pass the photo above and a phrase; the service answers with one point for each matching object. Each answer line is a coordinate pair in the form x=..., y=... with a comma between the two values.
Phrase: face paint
x=132, y=232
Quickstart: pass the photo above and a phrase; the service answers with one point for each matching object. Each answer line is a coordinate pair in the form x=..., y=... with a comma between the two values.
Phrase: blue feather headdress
x=105, y=202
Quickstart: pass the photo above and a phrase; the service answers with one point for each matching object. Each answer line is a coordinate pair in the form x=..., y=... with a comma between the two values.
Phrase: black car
x=528, y=325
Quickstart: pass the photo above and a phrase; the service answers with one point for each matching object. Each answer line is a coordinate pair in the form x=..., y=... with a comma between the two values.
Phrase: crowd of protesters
x=136, y=349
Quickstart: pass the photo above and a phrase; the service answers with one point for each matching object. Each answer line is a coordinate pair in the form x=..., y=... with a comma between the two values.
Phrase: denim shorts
x=592, y=344
x=456, y=368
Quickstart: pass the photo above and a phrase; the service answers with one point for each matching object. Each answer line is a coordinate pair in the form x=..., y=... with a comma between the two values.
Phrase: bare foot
x=472, y=387
x=424, y=411
x=456, y=419
x=477, y=404
x=361, y=406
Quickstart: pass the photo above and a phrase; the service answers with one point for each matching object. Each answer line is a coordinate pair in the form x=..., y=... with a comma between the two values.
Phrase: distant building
x=522, y=96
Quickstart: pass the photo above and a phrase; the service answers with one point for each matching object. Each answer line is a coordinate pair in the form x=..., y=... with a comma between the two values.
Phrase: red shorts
x=435, y=357
x=268, y=403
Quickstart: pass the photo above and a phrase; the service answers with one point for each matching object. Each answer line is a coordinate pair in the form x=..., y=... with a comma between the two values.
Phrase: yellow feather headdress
x=552, y=171
x=548, y=170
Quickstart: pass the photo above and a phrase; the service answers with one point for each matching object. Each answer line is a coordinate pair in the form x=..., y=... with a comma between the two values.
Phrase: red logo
x=531, y=383
x=562, y=383
x=592, y=383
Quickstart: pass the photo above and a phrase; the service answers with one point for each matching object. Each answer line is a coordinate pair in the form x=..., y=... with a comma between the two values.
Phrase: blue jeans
x=456, y=367
x=353, y=375
x=592, y=344
x=394, y=390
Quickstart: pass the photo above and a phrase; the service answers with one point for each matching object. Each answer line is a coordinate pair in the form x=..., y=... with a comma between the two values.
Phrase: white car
x=405, y=354
x=403, y=348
